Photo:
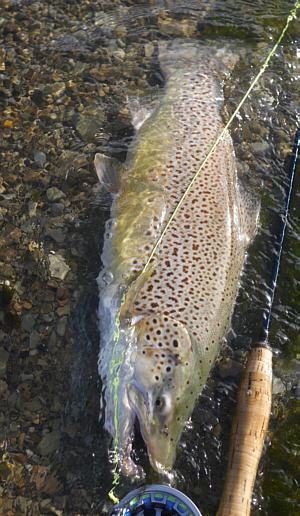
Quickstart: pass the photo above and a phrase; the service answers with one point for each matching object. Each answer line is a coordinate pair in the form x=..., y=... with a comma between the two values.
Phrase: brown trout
x=161, y=330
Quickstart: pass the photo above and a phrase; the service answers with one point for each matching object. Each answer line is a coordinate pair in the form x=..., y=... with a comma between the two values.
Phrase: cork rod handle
x=248, y=433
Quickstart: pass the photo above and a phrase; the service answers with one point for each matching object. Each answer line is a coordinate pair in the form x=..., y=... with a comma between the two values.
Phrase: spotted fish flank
x=171, y=319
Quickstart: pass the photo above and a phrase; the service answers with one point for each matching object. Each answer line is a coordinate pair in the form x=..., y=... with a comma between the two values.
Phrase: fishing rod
x=250, y=423
x=255, y=395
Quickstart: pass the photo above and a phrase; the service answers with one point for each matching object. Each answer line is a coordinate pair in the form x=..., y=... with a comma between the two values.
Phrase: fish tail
x=190, y=54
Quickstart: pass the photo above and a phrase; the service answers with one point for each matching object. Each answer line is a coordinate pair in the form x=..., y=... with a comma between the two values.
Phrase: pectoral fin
x=141, y=108
x=109, y=171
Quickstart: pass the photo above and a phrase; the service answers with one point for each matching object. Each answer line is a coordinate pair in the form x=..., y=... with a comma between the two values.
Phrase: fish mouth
x=161, y=454
x=160, y=446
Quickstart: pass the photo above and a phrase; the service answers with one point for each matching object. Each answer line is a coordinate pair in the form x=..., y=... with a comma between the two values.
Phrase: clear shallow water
x=101, y=50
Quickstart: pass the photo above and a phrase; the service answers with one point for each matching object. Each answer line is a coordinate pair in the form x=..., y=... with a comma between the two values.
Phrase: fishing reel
x=156, y=500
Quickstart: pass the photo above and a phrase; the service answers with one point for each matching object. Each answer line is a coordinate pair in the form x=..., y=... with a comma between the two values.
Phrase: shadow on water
x=89, y=57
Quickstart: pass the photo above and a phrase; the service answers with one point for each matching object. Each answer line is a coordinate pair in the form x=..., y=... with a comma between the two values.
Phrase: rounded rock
x=54, y=194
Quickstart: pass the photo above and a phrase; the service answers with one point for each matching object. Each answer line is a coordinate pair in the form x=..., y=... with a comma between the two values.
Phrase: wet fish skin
x=172, y=319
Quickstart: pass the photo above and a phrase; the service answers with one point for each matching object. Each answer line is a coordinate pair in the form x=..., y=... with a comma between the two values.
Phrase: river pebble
x=55, y=194
x=228, y=367
x=49, y=443
x=278, y=386
x=58, y=266
x=62, y=326
x=40, y=158
x=260, y=148
x=28, y=322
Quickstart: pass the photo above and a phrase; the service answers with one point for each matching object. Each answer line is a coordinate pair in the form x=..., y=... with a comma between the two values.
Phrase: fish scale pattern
x=191, y=271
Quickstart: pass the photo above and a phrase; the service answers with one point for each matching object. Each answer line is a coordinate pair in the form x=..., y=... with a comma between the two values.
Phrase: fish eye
x=163, y=404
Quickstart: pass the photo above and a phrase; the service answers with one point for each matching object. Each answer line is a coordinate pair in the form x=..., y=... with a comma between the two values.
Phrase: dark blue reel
x=156, y=500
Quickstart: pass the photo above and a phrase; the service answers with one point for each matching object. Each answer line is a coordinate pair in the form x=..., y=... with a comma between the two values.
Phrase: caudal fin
x=182, y=55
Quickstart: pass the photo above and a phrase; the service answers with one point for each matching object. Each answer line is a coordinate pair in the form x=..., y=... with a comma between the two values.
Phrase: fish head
x=161, y=390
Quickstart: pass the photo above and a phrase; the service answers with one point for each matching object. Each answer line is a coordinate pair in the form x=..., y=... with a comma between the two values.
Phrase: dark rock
x=228, y=367
x=38, y=97
x=57, y=209
x=57, y=235
x=49, y=443
x=28, y=322
x=4, y=356
x=3, y=390
x=34, y=339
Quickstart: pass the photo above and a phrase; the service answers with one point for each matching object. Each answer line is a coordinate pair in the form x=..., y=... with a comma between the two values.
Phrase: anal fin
x=249, y=207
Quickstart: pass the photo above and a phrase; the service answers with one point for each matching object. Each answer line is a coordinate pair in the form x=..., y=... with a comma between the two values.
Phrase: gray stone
x=260, y=148
x=3, y=390
x=14, y=400
x=58, y=267
x=57, y=209
x=57, y=235
x=52, y=340
x=32, y=206
x=34, y=339
x=40, y=158
x=34, y=405
x=4, y=355
x=24, y=377
x=63, y=310
x=229, y=367
x=28, y=321
x=278, y=386
x=66, y=43
x=54, y=194
x=149, y=50
x=14, y=426
x=49, y=443
x=62, y=326
x=90, y=122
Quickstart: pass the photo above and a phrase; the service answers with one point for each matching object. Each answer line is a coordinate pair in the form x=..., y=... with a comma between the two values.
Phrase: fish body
x=161, y=330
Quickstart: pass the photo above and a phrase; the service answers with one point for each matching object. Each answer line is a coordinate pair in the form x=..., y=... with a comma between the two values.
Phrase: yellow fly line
x=292, y=15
